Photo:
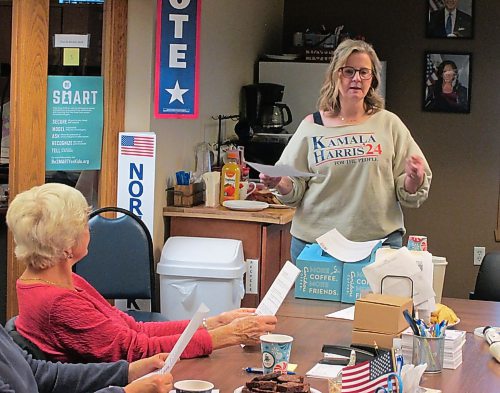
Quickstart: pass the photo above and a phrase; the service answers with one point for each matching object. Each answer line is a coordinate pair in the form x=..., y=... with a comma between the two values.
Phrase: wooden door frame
x=29, y=64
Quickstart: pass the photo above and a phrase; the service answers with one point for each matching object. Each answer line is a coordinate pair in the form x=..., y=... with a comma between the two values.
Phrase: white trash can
x=198, y=269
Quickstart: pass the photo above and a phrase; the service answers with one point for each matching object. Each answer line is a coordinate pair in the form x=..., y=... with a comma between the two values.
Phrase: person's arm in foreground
x=101, y=377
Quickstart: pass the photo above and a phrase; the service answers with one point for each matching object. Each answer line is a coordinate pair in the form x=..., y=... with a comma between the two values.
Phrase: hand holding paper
x=281, y=170
x=279, y=289
x=183, y=341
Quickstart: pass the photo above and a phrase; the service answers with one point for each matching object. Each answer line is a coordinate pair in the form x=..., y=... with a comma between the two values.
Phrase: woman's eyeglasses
x=349, y=72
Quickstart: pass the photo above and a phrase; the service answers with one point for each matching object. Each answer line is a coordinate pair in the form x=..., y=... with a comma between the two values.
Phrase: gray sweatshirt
x=362, y=190
x=20, y=373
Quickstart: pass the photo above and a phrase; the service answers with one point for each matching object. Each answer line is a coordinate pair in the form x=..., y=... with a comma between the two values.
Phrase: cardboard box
x=188, y=195
x=383, y=340
x=354, y=282
x=381, y=313
x=320, y=276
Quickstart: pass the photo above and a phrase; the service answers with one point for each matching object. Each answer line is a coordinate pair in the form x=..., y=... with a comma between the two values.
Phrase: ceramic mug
x=246, y=188
x=193, y=386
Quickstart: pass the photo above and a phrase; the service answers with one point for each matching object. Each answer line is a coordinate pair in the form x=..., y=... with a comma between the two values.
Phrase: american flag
x=367, y=376
x=435, y=5
x=430, y=72
x=143, y=146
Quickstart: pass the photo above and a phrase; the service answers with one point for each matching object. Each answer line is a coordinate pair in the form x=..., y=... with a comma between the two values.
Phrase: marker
x=256, y=370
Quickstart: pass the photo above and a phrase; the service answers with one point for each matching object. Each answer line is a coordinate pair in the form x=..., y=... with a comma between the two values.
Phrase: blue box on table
x=320, y=275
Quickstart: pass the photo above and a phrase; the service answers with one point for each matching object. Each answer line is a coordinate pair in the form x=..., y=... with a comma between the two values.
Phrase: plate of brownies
x=275, y=382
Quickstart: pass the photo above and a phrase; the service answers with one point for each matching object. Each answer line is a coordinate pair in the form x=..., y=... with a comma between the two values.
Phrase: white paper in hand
x=281, y=170
x=183, y=340
x=279, y=289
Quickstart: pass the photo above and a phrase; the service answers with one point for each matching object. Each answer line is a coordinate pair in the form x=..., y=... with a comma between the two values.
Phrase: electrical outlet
x=479, y=255
x=252, y=277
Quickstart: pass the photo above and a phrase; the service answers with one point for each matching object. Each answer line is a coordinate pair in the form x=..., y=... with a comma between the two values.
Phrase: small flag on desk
x=367, y=376
x=143, y=146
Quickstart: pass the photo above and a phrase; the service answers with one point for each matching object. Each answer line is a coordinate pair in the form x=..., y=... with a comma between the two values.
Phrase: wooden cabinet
x=265, y=236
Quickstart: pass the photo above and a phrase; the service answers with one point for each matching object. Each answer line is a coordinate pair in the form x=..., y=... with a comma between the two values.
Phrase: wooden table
x=265, y=235
x=479, y=372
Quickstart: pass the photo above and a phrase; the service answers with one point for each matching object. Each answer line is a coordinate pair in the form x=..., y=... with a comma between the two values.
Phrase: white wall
x=233, y=35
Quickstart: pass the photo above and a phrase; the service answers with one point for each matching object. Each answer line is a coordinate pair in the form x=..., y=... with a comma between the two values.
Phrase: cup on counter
x=247, y=188
x=193, y=386
x=212, y=188
x=276, y=350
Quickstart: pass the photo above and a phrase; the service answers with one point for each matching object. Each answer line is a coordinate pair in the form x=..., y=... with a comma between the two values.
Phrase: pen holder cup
x=429, y=350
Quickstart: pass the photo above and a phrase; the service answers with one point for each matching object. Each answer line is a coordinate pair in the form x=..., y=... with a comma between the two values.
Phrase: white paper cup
x=193, y=386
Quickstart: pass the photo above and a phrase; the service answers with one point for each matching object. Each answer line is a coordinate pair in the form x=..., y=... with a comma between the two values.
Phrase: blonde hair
x=329, y=93
x=45, y=221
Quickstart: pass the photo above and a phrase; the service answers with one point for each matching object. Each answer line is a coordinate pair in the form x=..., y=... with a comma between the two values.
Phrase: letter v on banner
x=136, y=174
x=177, y=59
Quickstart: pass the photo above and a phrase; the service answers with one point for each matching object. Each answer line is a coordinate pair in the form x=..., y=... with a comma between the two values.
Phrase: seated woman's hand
x=229, y=316
x=247, y=330
x=145, y=366
x=159, y=383
x=244, y=330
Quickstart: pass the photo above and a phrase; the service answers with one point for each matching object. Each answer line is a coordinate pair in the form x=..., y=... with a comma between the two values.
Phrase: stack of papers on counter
x=453, y=343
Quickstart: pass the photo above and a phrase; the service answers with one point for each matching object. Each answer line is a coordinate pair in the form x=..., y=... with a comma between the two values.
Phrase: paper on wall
x=398, y=263
x=345, y=250
x=278, y=290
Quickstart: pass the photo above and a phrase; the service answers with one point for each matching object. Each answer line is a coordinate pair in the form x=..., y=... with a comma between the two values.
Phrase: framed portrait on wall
x=447, y=82
x=450, y=18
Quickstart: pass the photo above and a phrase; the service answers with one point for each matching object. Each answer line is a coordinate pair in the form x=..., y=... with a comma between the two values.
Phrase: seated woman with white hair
x=67, y=318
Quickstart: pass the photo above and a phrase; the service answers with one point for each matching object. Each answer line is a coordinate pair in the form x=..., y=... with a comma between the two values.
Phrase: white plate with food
x=238, y=390
x=278, y=206
x=249, y=206
x=454, y=324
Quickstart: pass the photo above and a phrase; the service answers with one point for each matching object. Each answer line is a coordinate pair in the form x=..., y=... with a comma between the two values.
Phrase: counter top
x=269, y=215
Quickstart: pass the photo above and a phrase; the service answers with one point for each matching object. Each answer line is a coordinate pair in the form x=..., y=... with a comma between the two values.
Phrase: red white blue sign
x=177, y=59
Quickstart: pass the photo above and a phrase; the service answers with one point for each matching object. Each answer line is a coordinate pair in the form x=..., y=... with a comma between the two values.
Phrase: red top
x=81, y=326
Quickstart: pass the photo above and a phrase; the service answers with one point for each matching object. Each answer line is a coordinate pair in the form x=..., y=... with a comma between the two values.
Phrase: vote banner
x=177, y=59
x=136, y=174
x=74, y=123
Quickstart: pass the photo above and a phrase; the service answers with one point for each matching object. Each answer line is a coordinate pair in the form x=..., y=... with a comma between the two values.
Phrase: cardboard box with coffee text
x=320, y=275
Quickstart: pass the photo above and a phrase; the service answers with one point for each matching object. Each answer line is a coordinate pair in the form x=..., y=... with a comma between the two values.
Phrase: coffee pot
x=261, y=110
x=275, y=117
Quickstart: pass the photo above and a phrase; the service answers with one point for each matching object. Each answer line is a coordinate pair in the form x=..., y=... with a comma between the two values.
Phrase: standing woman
x=67, y=318
x=367, y=162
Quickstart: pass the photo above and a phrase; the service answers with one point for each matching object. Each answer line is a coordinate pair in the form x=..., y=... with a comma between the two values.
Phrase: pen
x=256, y=370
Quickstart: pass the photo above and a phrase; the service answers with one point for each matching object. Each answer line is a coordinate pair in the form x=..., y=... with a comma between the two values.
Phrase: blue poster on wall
x=177, y=59
x=74, y=123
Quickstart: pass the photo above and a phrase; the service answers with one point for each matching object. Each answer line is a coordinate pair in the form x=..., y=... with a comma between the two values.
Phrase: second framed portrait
x=447, y=84
x=450, y=18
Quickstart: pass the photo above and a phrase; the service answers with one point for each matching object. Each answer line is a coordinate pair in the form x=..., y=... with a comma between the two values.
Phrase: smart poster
x=177, y=59
x=74, y=123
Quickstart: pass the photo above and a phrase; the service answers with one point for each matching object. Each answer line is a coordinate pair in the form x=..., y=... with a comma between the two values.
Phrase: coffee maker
x=261, y=110
x=262, y=121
